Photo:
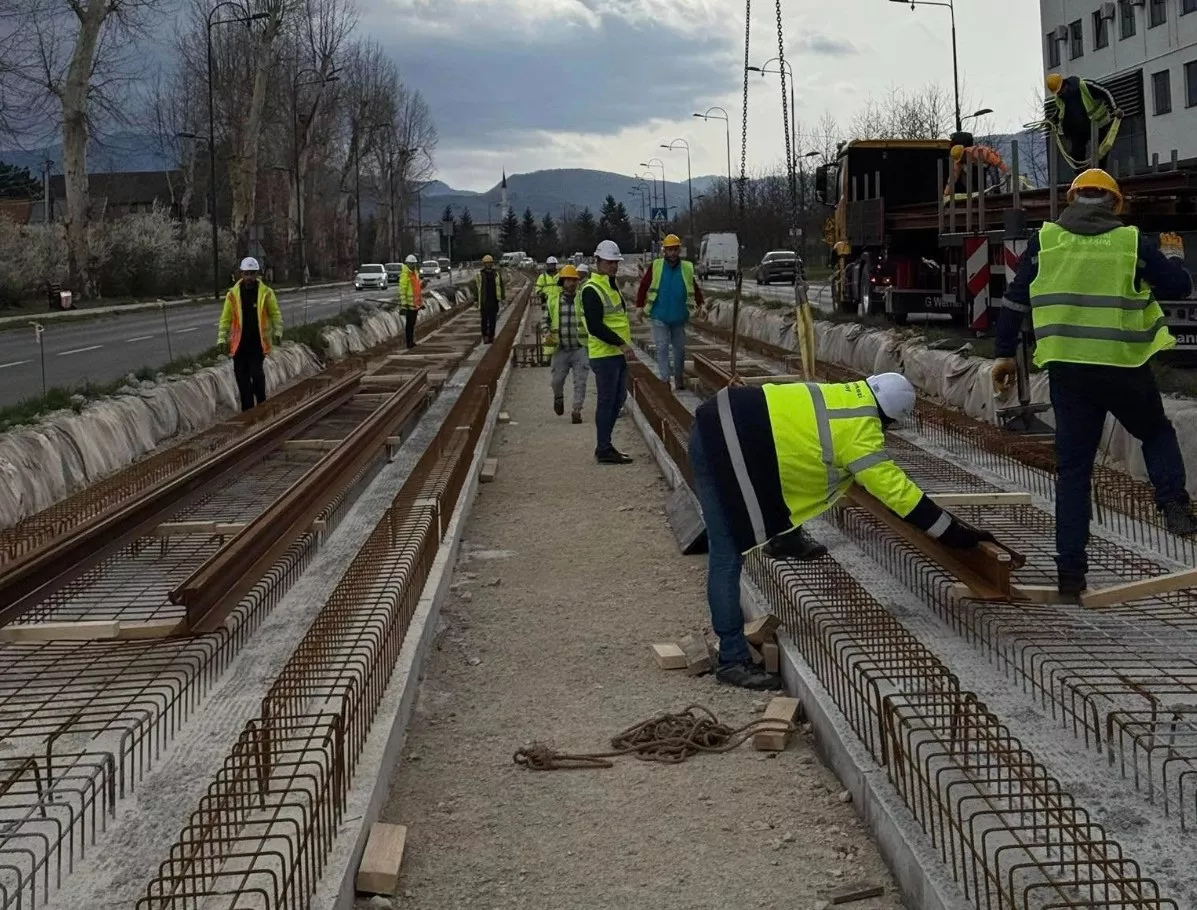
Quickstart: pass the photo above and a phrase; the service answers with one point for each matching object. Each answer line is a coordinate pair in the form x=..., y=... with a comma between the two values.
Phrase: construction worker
x=668, y=294
x=1091, y=286
x=249, y=322
x=981, y=155
x=546, y=279
x=411, y=298
x=609, y=346
x=768, y=459
x=566, y=340
x=1079, y=105
x=489, y=292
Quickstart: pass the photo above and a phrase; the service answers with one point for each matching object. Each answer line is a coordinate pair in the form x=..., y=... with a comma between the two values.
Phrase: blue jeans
x=724, y=562
x=611, y=391
x=665, y=337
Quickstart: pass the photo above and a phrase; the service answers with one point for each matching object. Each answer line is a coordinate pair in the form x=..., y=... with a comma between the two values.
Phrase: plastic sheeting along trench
x=957, y=379
x=66, y=451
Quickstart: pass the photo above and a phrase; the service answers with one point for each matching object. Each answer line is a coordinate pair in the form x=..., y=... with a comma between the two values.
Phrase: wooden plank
x=771, y=651
x=151, y=629
x=757, y=657
x=490, y=467
x=981, y=499
x=84, y=630
x=856, y=892
x=784, y=711
x=698, y=656
x=211, y=528
x=758, y=631
x=669, y=656
x=379, y=869
x=1144, y=587
x=310, y=445
x=504, y=417
x=1036, y=594
x=766, y=380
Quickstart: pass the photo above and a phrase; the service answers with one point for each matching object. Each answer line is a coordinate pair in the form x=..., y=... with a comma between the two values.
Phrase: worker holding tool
x=566, y=340
x=668, y=294
x=1092, y=286
x=249, y=322
x=411, y=298
x=768, y=459
x=984, y=156
x=609, y=345
x=1079, y=105
x=489, y=292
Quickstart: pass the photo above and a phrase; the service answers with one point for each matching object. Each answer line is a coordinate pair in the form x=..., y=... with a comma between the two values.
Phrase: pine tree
x=447, y=218
x=18, y=183
x=587, y=231
x=465, y=241
x=616, y=225
x=549, y=240
x=528, y=233
x=509, y=232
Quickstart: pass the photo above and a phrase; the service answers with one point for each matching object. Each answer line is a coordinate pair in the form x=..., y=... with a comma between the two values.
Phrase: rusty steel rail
x=666, y=415
x=39, y=573
x=213, y=591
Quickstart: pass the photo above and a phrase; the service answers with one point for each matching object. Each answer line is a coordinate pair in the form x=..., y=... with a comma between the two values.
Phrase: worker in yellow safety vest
x=566, y=340
x=1080, y=104
x=768, y=459
x=547, y=278
x=249, y=322
x=609, y=347
x=668, y=294
x=411, y=298
x=1092, y=287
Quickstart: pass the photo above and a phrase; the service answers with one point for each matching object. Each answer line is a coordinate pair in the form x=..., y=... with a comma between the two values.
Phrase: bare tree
x=928, y=113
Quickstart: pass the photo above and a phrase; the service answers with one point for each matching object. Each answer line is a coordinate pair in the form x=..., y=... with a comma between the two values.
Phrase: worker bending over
x=249, y=322
x=411, y=298
x=768, y=459
x=1091, y=286
x=988, y=160
x=489, y=292
x=1079, y=104
x=566, y=340
x=668, y=294
x=609, y=345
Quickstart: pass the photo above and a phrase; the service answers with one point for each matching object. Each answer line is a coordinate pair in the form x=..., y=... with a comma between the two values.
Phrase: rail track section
x=162, y=574
x=1121, y=680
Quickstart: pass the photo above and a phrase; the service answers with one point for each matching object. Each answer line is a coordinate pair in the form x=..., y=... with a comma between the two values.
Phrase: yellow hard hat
x=671, y=240
x=1096, y=179
x=957, y=152
x=1054, y=81
x=488, y=258
x=568, y=271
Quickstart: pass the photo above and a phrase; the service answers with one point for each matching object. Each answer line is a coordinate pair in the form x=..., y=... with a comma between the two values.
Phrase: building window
x=1157, y=13
x=1191, y=84
x=1101, y=31
x=1161, y=92
x=1053, y=50
x=1076, y=40
x=1188, y=6
x=1126, y=19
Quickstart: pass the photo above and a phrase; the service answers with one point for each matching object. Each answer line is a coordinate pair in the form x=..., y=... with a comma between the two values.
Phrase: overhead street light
x=955, y=67
x=689, y=179
x=727, y=128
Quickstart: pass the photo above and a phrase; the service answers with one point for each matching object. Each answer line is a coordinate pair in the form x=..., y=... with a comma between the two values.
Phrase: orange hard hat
x=671, y=240
x=1096, y=179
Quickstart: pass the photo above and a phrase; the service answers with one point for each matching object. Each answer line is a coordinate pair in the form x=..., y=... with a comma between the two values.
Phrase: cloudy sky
x=530, y=84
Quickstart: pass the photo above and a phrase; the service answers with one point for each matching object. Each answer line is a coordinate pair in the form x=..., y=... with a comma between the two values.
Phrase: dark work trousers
x=248, y=368
x=490, y=317
x=611, y=385
x=1081, y=396
x=409, y=327
x=1078, y=148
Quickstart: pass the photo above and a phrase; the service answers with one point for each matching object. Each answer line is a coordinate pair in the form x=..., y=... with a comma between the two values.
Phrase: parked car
x=512, y=258
x=778, y=265
x=719, y=254
x=430, y=269
x=371, y=275
x=394, y=270
x=443, y=262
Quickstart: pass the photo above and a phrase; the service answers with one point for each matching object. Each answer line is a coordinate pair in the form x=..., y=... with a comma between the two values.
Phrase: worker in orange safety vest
x=980, y=155
x=249, y=322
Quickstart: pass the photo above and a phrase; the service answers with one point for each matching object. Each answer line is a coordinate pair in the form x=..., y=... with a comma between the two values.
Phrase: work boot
x=1071, y=584
x=1179, y=518
x=575, y=417
x=558, y=406
x=747, y=675
x=612, y=456
x=796, y=544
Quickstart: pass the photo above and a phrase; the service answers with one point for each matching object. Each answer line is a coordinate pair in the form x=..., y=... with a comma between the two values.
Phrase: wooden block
x=394, y=441
x=228, y=528
x=670, y=657
x=184, y=528
x=85, y=630
x=698, y=657
x=981, y=499
x=504, y=417
x=490, y=467
x=785, y=712
x=1036, y=594
x=771, y=651
x=379, y=869
x=1134, y=590
x=310, y=445
x=150, y=629
x=857, y=892
x=765, y=380
x=757, y=657
x=759, y=631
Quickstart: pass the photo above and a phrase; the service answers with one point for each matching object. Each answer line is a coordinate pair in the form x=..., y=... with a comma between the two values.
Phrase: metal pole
x=166, y=327
x=46, y=190
x=731, y=212
x=664, y=201
x=420, y=217
x=303, y=266
x=955, y=69
x=212, y=170
x=690, y=191
x=357, y=192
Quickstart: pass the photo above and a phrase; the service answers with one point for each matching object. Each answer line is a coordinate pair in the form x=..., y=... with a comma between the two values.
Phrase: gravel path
x=568, y=572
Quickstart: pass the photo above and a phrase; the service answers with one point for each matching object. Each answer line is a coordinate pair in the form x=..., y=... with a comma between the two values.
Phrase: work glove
x=960, y=535
x=1004, y=372
x=1172, y=245
x=550, y=338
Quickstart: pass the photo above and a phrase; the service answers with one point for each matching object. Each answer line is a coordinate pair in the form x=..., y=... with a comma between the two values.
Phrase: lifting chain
x=789, y=121
x=744, y=119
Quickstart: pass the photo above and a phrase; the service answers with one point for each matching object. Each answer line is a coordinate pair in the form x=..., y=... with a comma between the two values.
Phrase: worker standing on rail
x=489, y=292
x=768, y=459
x=610, y=346
x=249, y=322
x=1091, y=286
x=411, y=298
x=1079, y=104
x=566, y=341
x=546, y=279
x=668, y=294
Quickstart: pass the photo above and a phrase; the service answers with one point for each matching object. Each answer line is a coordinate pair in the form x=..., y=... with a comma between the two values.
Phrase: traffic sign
x=660, y=215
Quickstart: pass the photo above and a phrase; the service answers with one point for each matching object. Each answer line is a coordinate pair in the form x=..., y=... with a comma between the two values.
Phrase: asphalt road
x=107, y=347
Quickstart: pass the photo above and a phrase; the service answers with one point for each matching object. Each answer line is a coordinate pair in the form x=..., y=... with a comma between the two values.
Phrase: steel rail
x=26, y=581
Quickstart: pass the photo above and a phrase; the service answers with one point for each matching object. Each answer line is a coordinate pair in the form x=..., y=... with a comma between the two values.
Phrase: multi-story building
x=1145, y=53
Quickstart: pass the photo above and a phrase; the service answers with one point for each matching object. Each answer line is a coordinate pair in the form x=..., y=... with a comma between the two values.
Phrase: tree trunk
x=244, y=168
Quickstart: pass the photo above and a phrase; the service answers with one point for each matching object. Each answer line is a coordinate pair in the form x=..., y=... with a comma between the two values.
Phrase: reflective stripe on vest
x=615, y=316
x=740, y=467
x=1098, y=112
x=1085, y=307
x=654, y=288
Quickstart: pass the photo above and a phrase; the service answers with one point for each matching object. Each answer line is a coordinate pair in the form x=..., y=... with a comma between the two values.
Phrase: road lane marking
x=194, y=328
x=138, y=338
x=15, y=363
x=93, y=347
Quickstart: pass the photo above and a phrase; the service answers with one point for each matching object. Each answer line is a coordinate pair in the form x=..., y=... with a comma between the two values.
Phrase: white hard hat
x=552, y=260
x=411, y=260
x=584, y=268
x=895, y=395
x=608, y=250
x=249, y=264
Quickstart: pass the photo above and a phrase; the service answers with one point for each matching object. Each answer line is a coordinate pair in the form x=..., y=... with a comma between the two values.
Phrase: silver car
x=371, y=275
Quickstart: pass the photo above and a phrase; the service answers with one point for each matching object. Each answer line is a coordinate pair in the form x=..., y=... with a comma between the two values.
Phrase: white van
x=719, y=254
x=512, y=259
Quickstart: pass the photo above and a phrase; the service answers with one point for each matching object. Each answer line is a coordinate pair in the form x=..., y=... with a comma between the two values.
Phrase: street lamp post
x=652, y=196
x=955, y=67
x=246, y=17
x=689, y=179
x=787, y=125
x=638, y=189
x=657, y=162
x=320, y=80
x=727, y=128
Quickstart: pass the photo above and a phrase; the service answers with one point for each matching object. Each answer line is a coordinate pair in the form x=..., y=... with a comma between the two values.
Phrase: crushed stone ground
x=569, y=571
